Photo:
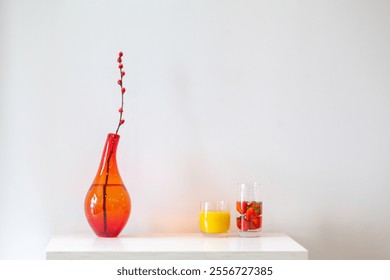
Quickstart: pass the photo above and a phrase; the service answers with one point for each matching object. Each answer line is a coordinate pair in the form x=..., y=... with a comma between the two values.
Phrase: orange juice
x=214, y=221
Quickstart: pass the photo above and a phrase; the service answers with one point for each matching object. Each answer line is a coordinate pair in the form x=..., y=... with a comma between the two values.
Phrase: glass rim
x=215, y=205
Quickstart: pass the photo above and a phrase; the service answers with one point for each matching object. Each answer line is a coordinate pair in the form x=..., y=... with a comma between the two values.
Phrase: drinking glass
x=214, y=218
x=249, y=207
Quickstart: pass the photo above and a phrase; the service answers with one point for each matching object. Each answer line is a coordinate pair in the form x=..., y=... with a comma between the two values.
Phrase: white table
x=196, y=246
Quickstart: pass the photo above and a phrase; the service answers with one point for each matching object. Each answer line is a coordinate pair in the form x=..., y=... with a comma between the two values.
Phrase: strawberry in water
x=241, y=206
x=251, y=213
x=242, y=224
x=255, y=223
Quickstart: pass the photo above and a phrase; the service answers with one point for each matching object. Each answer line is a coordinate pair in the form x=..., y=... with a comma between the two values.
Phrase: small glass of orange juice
x=214, y=218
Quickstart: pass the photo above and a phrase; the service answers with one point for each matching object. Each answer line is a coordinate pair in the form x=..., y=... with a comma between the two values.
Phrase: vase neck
x=108, y=169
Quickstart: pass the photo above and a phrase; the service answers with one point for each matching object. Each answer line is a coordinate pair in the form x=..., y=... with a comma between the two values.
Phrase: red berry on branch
x=119, y=82
x=120, y=54
x=123, y=73
x=123, y=90
x=119, y=60
x=120, y=110
x=120, y=66
x=122, y=122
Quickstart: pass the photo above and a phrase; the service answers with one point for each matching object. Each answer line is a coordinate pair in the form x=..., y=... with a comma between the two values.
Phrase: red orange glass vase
x=107, y=204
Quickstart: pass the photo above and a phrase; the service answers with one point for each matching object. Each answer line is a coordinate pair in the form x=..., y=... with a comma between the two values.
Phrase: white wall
x=294, y=94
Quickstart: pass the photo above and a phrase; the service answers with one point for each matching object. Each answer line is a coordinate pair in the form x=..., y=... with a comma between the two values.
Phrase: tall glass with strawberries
x=249, y=207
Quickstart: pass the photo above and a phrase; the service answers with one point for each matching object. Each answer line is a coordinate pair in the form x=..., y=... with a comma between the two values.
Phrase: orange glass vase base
x=107, y=204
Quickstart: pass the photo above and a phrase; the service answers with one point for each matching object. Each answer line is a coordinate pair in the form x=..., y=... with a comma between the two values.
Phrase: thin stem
x=122, y=103
x=106, y=183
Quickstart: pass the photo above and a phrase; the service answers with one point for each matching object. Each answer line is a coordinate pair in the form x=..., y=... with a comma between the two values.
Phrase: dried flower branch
x=123, y=90
x=120, y=122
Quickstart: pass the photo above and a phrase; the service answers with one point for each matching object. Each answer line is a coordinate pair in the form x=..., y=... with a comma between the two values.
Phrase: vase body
x=107, y=204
